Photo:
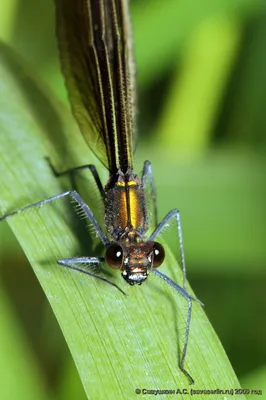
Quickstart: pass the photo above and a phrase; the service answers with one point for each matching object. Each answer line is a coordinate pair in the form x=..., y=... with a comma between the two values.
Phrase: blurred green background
x=202, y=121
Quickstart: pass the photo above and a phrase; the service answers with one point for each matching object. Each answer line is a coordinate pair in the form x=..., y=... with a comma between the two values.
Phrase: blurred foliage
x=202, y=90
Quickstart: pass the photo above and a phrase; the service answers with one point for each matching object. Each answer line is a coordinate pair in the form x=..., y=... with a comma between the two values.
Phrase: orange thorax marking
x=131, y=211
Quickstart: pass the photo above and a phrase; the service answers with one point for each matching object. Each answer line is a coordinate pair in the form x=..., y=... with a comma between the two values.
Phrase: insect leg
x=147, y=173
x=75, y=196
x=189, y=300
x=68, y=263
x=73, y=171
x=174, y=214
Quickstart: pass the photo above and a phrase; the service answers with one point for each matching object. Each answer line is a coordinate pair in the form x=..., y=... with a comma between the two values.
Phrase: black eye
x=114, y=256
x=158, y=254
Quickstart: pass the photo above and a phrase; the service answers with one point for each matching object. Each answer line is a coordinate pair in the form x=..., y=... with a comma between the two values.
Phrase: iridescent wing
x=95, y=45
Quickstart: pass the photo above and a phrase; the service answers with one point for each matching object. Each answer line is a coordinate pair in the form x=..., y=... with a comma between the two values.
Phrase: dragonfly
x=96, y=52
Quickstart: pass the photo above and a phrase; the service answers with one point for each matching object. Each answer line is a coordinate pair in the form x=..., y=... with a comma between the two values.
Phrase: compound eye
x=114, y=256
x=158, y=254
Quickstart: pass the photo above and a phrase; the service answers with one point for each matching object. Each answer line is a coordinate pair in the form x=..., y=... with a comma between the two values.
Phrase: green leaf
x=118, y=343
x=255, y=382
x=19, y=375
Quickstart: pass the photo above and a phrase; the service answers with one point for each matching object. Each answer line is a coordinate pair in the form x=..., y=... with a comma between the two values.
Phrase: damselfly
x=95, y=46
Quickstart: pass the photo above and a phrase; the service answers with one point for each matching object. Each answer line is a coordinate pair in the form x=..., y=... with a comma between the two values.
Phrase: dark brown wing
x=96, y=53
